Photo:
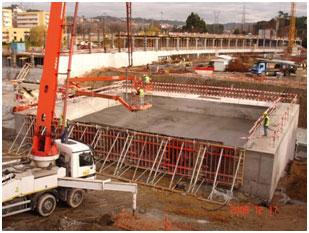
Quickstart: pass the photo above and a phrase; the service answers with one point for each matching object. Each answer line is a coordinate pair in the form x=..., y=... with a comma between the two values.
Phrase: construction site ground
x=99, y=210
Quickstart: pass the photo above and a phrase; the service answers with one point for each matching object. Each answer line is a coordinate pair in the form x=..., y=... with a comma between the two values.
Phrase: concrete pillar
x=250, y=43
x=13, y=59
x=196, y=43
x=229, y=43
x=167, y=43
x=124, y=43
x=113, y=41
x=243, y=43
x=264, y=42
x=177, y=43
x=221, y=43
x=32, y=60
x=205, y=43
x=236, y=43
x=145, y=43
x=98, y=39
x=213, y=43
x=157, y=44
x=187, y=43
x=133, y=42
x=257, y=43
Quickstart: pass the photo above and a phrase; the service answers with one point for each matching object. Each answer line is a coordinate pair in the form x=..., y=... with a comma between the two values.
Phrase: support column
x=98, y=39
x=257, y=43
x=13, y=60
x=277, y=43
x=145, y=43
x=177, y=43
x=32, y=60
x=264, y=42
x=187, y=42
x=229, y=43
x=124, y=43
x=250, y=43
x=243, y=43
x=221, y=43
x=205, y=43
x=213, y=43
x=157, y=44
x=236, y=43
x=113, y=41
x=196, y=43
x=167, y=43
x=133, y=43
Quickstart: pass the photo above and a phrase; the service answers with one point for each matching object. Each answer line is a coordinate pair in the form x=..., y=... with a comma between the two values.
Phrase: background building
x=32, y=19
x=7, y=18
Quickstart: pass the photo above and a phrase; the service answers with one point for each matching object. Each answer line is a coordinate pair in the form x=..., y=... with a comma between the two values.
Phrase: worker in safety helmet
x=140, y=92
x=146, y=80
x=64, y=132
x=266, y=123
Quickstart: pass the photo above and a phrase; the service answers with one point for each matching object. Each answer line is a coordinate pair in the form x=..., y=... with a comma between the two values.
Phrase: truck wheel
x=46, y=205
x=75, y=197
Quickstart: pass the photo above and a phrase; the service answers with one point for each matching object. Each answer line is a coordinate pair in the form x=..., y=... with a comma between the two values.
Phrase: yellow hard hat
x=265, y=113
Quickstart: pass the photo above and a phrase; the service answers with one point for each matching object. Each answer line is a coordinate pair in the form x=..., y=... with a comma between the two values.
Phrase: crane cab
x=77, y=158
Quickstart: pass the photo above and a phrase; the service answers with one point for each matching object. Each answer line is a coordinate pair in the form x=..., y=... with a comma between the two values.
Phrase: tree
x=236, y=31
x=194, y=24
x=37, y=35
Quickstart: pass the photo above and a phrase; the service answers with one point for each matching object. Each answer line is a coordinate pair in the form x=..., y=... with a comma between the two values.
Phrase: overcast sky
x=228, y=11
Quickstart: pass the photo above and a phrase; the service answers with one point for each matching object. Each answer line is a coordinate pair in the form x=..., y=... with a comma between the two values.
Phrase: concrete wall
x=82, y=63
x=263, y=169
x=285, y=149
x=77, y=108
x=258, y=173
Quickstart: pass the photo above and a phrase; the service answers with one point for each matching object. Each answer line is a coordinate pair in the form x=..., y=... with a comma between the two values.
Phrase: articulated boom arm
x=106, y=78
x=82, y=92
x=42, y=144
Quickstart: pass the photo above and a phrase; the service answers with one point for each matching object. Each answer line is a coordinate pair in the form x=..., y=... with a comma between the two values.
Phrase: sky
x=227, y=11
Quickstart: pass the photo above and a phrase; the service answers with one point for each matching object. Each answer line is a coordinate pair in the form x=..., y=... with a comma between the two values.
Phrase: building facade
x=32, y=19
x=15, y=34
x=7, y=18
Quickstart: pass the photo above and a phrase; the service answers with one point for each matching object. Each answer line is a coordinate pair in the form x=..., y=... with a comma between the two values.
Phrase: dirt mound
x=297, y=181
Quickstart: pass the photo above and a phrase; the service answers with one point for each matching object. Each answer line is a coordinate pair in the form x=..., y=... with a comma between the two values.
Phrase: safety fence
x=223, y=92
x=148, y=158
x=283, y=119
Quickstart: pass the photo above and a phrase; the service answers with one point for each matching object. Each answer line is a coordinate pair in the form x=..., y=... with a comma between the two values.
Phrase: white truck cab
x=77, y=158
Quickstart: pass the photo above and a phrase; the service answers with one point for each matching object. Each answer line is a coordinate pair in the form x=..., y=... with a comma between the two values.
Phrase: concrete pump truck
x=55, y=170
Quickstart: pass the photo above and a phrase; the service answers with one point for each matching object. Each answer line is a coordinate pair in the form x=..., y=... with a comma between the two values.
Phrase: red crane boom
x=42, y=144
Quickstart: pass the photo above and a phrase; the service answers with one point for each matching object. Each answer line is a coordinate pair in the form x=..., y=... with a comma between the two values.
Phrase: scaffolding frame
x=148, y=158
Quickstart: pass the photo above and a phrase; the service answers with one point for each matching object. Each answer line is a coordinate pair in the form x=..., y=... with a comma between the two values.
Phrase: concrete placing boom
x=58, y=170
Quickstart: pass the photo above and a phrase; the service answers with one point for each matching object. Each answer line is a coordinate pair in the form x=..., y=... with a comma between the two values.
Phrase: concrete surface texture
x=185, y=118
x=265, y=162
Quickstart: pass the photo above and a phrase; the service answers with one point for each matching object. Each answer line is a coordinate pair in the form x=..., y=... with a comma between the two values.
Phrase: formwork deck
x=159, y=119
